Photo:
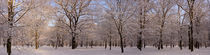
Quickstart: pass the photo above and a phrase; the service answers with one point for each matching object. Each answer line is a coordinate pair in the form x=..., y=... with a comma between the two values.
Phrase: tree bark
x=191, y=15
x=81, y=44
x=121, y=43
x=160, y=45
x=105, y=44
x=139, y=43
x=110, y=42
x=9, y=45
x=73, y=43
x=180, y=43
x=91, y=44
x=36, y=40
x=10, y=19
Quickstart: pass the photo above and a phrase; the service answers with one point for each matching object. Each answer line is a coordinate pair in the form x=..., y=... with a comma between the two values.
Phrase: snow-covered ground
x=101, y=51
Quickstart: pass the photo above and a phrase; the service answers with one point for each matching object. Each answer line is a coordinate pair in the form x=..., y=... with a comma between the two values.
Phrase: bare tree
x=143, y=8
x=73, y=10
x=188, y=6
x=120, y=11
x=12, y=6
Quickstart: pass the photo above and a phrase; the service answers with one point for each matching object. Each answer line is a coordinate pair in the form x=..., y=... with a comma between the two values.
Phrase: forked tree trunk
x=191, y=15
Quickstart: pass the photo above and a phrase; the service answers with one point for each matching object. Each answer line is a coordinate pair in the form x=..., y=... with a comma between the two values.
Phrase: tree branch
x=22, y=15
x=2, y=14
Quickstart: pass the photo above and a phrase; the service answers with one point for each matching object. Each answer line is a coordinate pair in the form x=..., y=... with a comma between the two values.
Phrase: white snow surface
x=46, y=50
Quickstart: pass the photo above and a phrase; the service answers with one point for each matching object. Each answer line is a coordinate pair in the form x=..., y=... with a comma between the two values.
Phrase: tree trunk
x=197, y=44
x=10, y=19
x=191, y=15
x=36, y=40
x=205, y=44
x=160, y=45
x=145, y=44
x=91, y=44
x=81, y=44
x=124, y=43
x=121, y=43
x=73, y=42
x=180, y=44
x=105, y=44
x=190, y=39
x=9, y=45
x=87, y=43
x=110, y=42
x=139, y=43
x=161, y=32
x=62, y=42
x=180, y=41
